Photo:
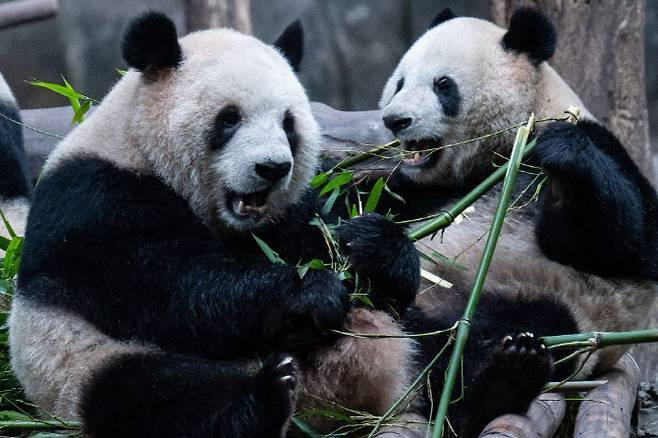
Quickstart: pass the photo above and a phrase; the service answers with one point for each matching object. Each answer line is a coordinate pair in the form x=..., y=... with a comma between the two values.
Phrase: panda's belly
x=520, y=268
x=54, y=353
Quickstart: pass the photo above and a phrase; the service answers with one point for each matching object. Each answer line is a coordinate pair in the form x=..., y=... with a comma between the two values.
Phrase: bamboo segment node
x=606, y=411
x=541, y=421
x=573, y=114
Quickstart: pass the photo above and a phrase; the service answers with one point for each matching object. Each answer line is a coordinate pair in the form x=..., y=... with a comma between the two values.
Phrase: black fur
x=531, y=32
x=138, y=395
x=150, y=43
x=500, y=375
x=379, y=249
x=96, y=233
x=289, y=127
x=445, y=15
x=448, y=93
x=599, y=213
x=227, y=124
x=291, y=44
x=13, y=180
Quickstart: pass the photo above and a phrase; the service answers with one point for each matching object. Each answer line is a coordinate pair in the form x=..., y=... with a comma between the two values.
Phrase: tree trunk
x=205, y=14
x=600, y=53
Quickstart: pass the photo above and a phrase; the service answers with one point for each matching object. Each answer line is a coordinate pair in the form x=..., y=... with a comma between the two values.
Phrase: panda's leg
x=362, y=374
x=598, y=211
x=505, y=366
x=165, y=395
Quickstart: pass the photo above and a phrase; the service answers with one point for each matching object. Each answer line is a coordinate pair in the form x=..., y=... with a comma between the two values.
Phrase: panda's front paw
x=276, y=393
x=380, y=250
x=322, y=301
x=562, y=146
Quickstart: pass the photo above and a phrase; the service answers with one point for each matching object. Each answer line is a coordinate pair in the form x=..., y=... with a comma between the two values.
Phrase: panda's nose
x=273, y=171
x=397, y=123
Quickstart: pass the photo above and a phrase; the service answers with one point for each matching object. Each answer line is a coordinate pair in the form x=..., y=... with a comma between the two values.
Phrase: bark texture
x=205, y=14
x=600, y=54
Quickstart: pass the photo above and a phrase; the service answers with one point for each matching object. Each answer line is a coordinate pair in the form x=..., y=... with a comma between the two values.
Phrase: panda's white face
x=455, y=82
x=230, y=129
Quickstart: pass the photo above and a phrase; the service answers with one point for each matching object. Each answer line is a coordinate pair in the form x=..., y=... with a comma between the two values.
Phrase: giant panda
x=582, y=257
x=144, y=306
x=14, y=186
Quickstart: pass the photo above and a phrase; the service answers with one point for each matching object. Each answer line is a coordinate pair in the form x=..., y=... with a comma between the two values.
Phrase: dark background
x=352, y=45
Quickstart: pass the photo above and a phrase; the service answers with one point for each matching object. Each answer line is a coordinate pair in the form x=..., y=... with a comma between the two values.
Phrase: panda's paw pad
x=278, y=379
x=524, y=354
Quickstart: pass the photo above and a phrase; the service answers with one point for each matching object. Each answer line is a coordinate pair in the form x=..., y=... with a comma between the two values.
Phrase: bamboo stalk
x=464, y=327
x=448, y=216
x=601, y=339
x=36, y=425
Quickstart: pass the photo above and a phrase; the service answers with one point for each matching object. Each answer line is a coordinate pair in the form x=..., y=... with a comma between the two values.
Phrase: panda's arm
x=127, y=254
x=599, y=213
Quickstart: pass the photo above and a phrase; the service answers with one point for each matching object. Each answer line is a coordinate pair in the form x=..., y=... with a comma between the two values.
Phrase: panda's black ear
x=531, y=32
x=445, y=15
x=151, y=44
x=291, y=44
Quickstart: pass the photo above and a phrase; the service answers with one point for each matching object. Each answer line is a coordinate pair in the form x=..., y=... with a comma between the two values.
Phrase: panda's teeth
x=418, y=156
x=241, y=207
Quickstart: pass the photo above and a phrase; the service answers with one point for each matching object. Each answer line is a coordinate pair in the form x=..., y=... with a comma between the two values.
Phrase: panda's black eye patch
x=448, y=93
x=226, y=125
x=289, y=128
x=399, y=86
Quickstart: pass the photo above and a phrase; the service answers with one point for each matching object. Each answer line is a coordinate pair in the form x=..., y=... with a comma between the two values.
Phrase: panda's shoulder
x=91, y=195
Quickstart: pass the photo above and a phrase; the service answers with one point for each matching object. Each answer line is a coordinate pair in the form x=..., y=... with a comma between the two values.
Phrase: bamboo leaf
x=338, y=181
x=319, y=179
x=10, y=230
x=373, y=197
x=305, y=428
x=393, y=194
x=79, y=113
x=329, y=203
x=271, y=255
x=315, y=264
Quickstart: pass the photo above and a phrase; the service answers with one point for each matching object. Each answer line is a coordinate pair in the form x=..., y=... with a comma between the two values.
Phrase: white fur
x=5, y=92
x=499, y=89
x=15, y=211
x=161, y=127
x=519, y=268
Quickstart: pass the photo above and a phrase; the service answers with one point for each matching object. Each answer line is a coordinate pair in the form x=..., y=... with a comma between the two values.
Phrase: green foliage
x=271, y=255
x=79, y=102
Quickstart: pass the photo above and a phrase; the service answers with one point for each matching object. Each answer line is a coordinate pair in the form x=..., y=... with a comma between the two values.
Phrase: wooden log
x=606, y=411
x=24, y=11
x=542, y=420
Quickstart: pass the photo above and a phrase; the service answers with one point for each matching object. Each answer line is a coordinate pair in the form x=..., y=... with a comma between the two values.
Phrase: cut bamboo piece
x=607, y=410
x=542, y=420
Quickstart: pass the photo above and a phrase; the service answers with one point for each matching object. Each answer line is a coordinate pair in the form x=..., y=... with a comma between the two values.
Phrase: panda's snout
x=397, y=123
x=273, y=171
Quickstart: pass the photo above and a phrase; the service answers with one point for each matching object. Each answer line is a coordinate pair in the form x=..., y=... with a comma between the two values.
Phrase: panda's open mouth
x=247, y=205
x=421, y=153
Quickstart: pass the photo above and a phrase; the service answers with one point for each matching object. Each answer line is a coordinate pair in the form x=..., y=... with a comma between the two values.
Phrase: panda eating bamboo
x=579, y=248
